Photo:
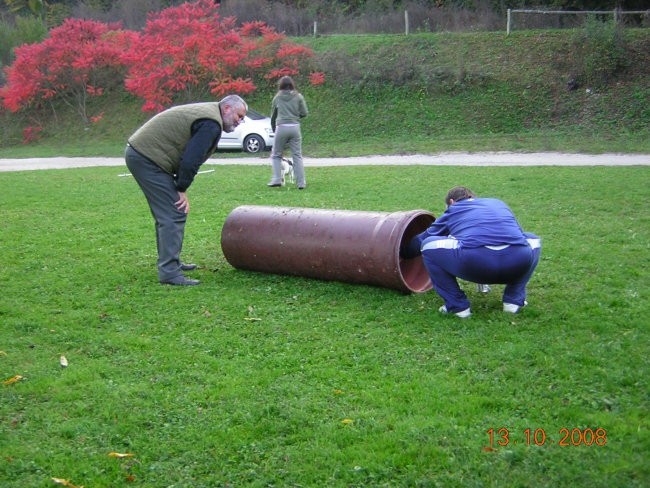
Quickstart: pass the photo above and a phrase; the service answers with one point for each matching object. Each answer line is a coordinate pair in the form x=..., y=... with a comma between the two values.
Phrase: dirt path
x=441, y=159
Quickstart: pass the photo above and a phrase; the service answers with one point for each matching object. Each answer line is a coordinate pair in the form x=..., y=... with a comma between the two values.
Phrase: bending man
x=164, y=156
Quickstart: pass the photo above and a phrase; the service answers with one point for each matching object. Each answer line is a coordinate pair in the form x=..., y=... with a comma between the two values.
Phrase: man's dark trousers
x=160, y=191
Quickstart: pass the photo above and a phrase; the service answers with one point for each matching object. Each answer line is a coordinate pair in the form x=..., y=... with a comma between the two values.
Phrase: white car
x=253, y=135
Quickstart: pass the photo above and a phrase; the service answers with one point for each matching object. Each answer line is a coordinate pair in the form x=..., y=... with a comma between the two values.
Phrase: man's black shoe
x=180, y=281
x=188, y=267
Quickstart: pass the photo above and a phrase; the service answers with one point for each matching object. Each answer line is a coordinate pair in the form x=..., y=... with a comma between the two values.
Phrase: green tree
x=35, y=7
x=24, y=30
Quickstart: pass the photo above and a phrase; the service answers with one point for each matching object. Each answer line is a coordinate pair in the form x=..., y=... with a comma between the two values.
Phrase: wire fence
x=417, y=18
x=557, y=18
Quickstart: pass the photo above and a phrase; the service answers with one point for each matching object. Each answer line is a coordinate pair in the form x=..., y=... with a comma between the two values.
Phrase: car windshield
x=253, y=115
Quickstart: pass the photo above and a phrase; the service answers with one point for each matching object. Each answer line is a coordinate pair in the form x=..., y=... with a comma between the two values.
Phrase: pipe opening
x=412, y=271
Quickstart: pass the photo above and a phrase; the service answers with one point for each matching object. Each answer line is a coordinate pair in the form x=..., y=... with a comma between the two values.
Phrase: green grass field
x=263, y=380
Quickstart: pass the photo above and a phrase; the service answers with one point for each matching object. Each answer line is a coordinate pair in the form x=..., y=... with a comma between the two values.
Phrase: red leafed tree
x=187, y=52
x=79, y=59
x=272, y=56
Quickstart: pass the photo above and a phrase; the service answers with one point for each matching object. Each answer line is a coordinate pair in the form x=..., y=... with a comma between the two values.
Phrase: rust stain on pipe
x=340, y=245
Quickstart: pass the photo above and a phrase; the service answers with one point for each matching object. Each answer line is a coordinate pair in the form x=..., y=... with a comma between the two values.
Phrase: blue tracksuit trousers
x=445, y=259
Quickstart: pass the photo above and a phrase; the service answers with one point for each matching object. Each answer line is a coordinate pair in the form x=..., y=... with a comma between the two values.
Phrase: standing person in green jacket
x=287, y=108
x=164, y=156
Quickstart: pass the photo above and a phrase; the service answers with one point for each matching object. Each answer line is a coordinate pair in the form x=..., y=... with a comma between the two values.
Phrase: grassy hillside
x=426, y=93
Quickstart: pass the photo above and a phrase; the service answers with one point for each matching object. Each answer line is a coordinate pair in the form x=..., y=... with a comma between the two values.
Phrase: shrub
x=79, y=59
x=601, y=51
x=189, y=52
x=25, y=30
x=31, y=134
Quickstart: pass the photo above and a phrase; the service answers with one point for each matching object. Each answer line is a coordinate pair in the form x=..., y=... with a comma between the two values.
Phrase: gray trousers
x=159, y=189
x=288, y=135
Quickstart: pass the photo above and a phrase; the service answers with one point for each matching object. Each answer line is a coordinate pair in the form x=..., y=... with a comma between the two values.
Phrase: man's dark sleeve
x=412, y=248
x=205, y=136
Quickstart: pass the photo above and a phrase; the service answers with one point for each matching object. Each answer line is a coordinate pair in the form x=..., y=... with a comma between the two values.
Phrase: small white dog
x=287, y=170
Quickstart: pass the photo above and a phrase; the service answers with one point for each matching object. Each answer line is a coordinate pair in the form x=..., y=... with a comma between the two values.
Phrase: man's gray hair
x=233, y=101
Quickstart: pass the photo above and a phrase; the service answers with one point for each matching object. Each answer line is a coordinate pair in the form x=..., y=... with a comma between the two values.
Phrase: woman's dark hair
x=286, y=83
x=459, y=193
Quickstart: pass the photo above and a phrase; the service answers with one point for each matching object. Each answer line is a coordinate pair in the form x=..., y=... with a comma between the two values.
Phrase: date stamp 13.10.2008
x=502, y=437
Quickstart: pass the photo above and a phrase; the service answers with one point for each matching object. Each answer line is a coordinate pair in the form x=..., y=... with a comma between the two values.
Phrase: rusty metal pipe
x=340, y=245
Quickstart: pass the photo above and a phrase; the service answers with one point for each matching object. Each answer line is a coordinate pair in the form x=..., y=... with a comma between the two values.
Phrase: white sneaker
x=483, y=288
x=512, y=308
x=463, y=314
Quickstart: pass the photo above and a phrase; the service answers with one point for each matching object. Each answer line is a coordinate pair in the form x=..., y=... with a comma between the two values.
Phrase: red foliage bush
x=316, y=78
x=31, y=134
x=185, y=53
x=189, y=51
x=80, y=58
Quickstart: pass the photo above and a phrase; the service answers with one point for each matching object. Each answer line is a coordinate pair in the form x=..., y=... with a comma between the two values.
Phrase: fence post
x=508, y=24
x=315, y=28
x=406, y=21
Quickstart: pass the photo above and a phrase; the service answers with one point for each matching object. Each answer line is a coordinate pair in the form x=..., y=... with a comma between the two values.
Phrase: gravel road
x=440, y=159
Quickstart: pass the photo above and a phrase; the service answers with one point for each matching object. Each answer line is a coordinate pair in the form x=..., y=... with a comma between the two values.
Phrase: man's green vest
x=163, y=138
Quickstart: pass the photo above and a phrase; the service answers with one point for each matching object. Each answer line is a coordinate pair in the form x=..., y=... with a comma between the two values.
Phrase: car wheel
x=253, y=144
